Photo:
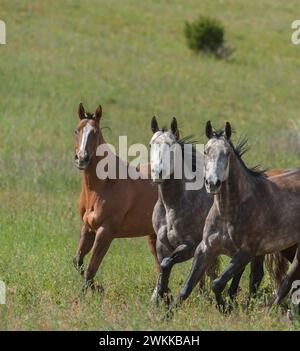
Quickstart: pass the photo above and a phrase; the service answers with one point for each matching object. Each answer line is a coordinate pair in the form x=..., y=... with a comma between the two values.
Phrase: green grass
x=133, y=59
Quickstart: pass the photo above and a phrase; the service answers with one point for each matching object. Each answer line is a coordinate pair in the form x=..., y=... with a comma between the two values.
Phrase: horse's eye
x=76, y=131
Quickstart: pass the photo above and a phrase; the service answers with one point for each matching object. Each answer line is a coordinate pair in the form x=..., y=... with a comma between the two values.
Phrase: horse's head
x=162, y=146
x=86, y=136
x=217, y=154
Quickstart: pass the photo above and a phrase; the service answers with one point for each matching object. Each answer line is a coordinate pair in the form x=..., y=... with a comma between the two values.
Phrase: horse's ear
x=81, y=111
x=209, y=130
x=174, y=128
x=228, y=130
x=154, y=125
x=98, y=113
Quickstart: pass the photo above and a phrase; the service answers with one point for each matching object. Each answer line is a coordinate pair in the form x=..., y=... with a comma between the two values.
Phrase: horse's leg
x=212, y=273
x=86, y=241
x=237, y=263
x=232, y=291
x=152, y=245
x=162, y=252
x=256, y=275
x=182, y=253
x=204, y=258
x=102, y=242
x=292, y=274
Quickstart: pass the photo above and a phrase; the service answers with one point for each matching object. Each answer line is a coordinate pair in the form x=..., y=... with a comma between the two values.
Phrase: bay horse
x=109, y=208
x=252, y=215
x=179, y=214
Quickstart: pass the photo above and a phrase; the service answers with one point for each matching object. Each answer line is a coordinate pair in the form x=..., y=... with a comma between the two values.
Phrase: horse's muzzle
x=213, y=188
x=81, y=162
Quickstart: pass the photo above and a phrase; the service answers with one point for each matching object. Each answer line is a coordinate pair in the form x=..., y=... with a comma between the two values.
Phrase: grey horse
x=252, y=215
x=179, y=214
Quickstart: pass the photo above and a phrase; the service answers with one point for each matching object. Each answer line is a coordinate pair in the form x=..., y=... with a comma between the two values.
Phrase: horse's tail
x=277, y=266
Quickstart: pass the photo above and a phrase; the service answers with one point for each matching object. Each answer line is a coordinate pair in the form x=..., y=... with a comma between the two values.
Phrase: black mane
x=240, y=149
x=189, y=139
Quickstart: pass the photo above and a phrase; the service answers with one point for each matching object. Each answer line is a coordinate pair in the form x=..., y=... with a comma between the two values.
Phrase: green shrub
x=205, y=34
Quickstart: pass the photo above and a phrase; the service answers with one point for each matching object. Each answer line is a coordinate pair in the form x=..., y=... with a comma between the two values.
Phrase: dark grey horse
x=179, y=214
x=251, y=215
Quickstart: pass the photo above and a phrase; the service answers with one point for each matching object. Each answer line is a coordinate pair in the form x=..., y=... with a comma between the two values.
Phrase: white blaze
x=85, y=134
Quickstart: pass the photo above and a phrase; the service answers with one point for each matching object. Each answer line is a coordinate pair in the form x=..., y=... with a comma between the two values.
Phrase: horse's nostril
x=86, y=158
x=218, y=183
x=76, y=157
x=206, y=181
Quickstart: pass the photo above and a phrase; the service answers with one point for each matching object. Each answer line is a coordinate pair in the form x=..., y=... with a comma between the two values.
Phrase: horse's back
x=289, y=179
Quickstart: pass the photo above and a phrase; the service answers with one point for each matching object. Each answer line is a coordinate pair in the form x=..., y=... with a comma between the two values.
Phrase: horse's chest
x=174, y=229
x=92, y=218
x=88, y=218
x=232, y=236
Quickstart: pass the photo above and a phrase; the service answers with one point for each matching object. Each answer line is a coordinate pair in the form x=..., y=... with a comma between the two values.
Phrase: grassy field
x=131, y=57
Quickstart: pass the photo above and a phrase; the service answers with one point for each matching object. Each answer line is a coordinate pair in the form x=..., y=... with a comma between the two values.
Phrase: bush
x=205, y=34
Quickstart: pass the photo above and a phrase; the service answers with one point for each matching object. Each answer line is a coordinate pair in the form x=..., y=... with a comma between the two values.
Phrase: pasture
x=133, y=59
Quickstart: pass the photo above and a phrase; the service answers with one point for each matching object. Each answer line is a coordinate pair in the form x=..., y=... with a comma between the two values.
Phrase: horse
x=251, y=215
x=179, y=214
x=109, y=208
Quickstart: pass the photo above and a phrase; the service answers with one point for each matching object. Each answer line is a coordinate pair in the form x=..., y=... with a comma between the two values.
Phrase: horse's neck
x=171, y=191
x=90, y=181
x=234, y=190
x=89, y=176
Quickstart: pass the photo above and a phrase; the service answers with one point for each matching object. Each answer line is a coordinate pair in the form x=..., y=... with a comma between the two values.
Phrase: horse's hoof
x=224, y=307
x=168, y=299
x=173, y=306
x=83, y=291
x=78, y=265
x=75, y=262
x=293, y=313
x=169, y=315
x=97, y=288
x=155, y=298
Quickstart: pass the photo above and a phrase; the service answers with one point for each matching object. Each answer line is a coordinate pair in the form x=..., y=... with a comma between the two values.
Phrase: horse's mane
x=189, y=139
x=240, y=149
